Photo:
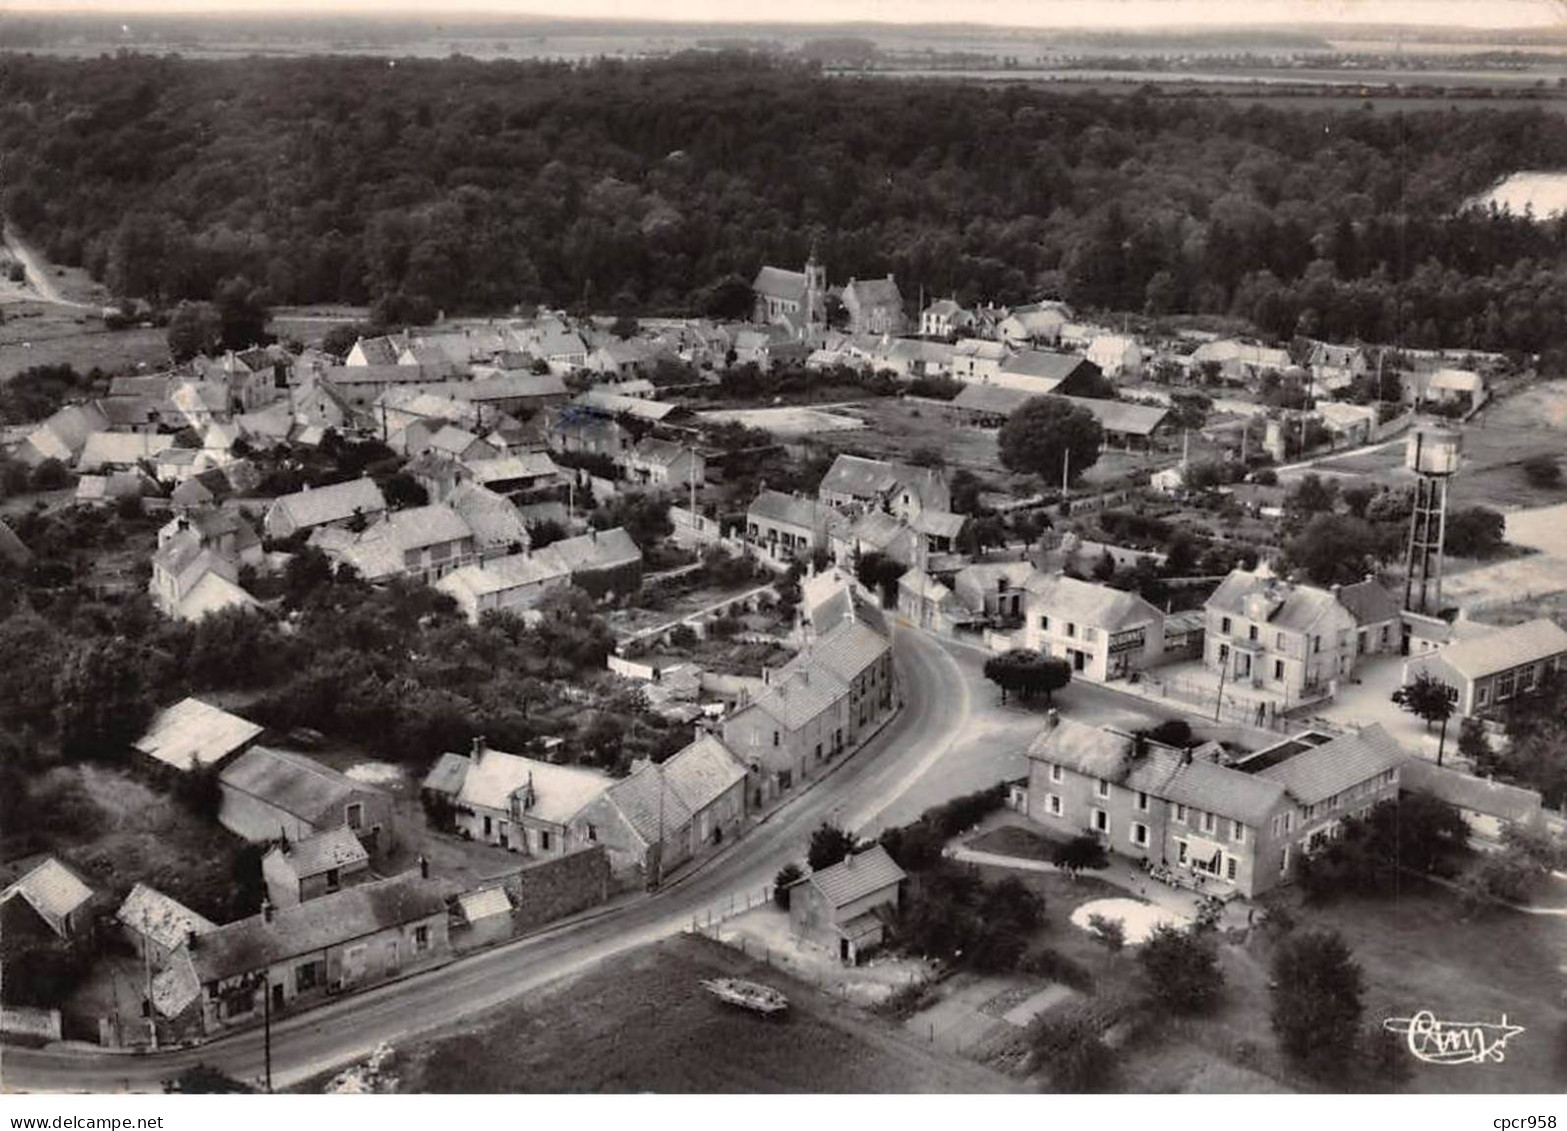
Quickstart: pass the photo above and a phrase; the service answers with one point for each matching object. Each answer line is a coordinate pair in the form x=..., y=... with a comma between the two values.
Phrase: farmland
x=640, y=1023
x=36, y=333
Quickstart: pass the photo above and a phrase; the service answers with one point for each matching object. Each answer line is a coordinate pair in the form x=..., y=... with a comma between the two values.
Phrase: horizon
x=1167, y=16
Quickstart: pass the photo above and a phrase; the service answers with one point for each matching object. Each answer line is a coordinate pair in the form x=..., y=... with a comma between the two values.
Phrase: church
x=797, y=300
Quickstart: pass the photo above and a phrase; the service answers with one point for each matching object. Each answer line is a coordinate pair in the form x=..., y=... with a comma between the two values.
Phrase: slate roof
x=193, y=733
x=991, y=399
x=1087, y=602
x=878, y=530
x=491, y=518
x=863, y=478
x=161, y=918
x=1465, y=791
x=1301, y=606
x=873, y=292
x=453, y=440
x=558, y=343
x=702, y=772
x=1318, y=773
x=649, y=805
x=500, y=574
x=176, y=986
x=1368, y=602
x=506, y=387
x=291, y=782
x=846, y=650
x=1044, y=364
x=596, y=550
x=321, y=852
x=1505, y=648
x=792, y=510
x=780, y=283
x=253, y=944
x=389, y=374
x=655, y=451
x=1090, y=750
x=981, y=348
x=114, y=449
x=53, y=890
x=857, y=876
x=560, y=792
x=447, y=775
x=939, y=524
x=802, y=694
x=333, y=503
x=524, y=466
x=601, y=400
x=1123, y=417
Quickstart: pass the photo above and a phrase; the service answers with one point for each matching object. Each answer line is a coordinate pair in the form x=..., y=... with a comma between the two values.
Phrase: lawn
x=640, y=1023
x=895, y=429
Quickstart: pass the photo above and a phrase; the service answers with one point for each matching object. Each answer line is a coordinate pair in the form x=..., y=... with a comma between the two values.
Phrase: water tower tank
x=1433, y=450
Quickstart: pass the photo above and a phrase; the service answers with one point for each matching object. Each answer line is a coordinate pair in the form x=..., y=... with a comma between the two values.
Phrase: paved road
x=940, y=707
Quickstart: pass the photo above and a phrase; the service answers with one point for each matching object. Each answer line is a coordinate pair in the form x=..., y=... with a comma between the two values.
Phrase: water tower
x=1432, y=453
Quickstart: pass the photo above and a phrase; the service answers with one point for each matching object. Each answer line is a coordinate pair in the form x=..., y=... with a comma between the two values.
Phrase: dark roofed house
x=791, y=526
x=846, y=906
x=273, y=794
x=874, y=306
x=599, y=562
x=335, y=944
x=1378, y=618
x=337, y=504
x=318, y=865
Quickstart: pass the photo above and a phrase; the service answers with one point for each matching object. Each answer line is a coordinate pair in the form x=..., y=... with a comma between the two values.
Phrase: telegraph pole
x=266, y=1025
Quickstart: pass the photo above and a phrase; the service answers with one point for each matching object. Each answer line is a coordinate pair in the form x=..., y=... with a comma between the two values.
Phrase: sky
x=1018, y=13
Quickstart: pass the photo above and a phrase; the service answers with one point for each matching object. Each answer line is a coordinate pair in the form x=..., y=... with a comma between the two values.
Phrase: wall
x=555, y=888
x=40, y=1024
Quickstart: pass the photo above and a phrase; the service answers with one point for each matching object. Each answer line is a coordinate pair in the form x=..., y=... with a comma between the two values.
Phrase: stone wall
x=551, y=889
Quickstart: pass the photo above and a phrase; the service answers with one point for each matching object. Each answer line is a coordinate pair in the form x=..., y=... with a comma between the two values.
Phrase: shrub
x=1542, y=471
x=787, y=876
x=1182, y=970
x=1080, y=852
x=1048, y=962
x=1068, y=1045
x=1317, y=990
x=1110, y=932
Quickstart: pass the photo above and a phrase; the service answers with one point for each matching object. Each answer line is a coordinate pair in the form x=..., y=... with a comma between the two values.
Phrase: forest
x=654, y=187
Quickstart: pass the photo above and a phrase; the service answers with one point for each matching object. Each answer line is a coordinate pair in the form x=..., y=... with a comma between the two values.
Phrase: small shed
x=846, y=906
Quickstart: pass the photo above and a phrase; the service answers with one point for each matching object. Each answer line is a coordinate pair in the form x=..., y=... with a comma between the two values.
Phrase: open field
x=37, y=333
x=640, y=1023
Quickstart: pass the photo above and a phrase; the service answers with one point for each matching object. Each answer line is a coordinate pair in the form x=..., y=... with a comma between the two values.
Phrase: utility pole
x=146, y=970
x=1066, y=471
x=266, y=1025
x=1224, y=670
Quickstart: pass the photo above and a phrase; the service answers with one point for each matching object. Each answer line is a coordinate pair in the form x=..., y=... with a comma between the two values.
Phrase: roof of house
x=1294, y=607
x=559, y=792
x=939, y=524
x=602, y=400
x=878, y=530
x=944, y=308
x=212, y=594
x=291, y=782
x=981, y=348
x=1086, y=749
x=323, y=851
x=857, y=876
x=846, y=650
x=793, y=510
x=1456, y=380
x=193, y=733
x=523, y=466
x=133, y=412
x=53, y=890
x=378, y=351
x=1123, y=417
x=161, y=918
x=1505, y=648
x=864, y=478
x=500, y=574
x=777, y=282
x=1088, y=602
x=335, y=502
x=983, y=576
x=557, y=342
x=176, y=986
x=1327, y=353
x=490, y=518
x=505, y=387
x=1320, y=772
x=703, y=772
x=387, y=374
x=595, y=550
x=655, y=451
x=992, y=399
x=453, y=440
x=1044, y=364
x=447, y=774
x=797, y=696
x=650, y=807
x=1465, y=791
x=255, y=943
x=924, y=586
x=482, y=904
x=109, y=449
x=1368, y=602
x=873, y=292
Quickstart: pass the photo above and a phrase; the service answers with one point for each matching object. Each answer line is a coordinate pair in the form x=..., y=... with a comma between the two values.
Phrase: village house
x=664, y=815
x=226, y=533
x=977, y=362
x=515, y=393
x=425, y=542
x=102, y=490
x=876, y=532
x=376, y=351
x=1379, y=621
x=874, y=306
x=790, y=527
x=846, y=907
x=522, y=474
x=1335, y=367
x=270, y=795
x=121, y=451
x=1126, y=425
x=944, y=318
x=930, y=604
x=190, y=581
x=1495, y=666
x=1103, y=633
x=664, y=463
x=496, y=525
x=64, y=434
x=193, y=734
x=1222, y=828
x=457, y=443
x=286, y=957
x=602, y=563
x=1035, y=324
x=1238, y=362
x=521, y=804
x=1118, y=356
x=361, y=386
x=786, y=735
x=796, y=300
x=763, y=347
x=317, y=865
x=1038, y=372
x=994, y=591
x=1348, y=424
x=855, y=482
x=514, y=583
x=1460, y=387
x=157, y=925
x=356, y=501
x=587, y=433
x=49, y=902
x=1290, y=640
x=861, y=659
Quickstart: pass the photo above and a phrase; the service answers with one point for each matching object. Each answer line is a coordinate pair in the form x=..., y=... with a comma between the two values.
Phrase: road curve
x=936, y=705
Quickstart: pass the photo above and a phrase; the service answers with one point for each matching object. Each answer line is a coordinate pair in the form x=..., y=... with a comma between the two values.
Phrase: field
x=36, y=333
x=640, y=1023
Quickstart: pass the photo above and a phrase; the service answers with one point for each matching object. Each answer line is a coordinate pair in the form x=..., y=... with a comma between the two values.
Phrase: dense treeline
x=462, y=185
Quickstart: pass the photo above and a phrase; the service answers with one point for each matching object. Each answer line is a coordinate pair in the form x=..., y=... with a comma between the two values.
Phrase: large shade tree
x=1430, y=699
x=1051, y=437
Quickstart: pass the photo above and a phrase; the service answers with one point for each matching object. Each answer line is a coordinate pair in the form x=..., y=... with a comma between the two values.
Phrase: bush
x=1083, y=851
x=1110, y=932
x=50, y=475
x=787, y=876
x=1317, y=990
x=1542, y=471
x=1182, y=969
x=1047, y=962
x=1068, y=1045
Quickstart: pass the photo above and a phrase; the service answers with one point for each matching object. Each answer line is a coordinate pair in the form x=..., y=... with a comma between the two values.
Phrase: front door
x=277, y=998
x=1077, y=660
x=1360, y=643
x=843, y=950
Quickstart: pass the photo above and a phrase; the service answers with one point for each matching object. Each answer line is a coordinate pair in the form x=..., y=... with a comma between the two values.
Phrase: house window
x=1279, y=642
x=1103, y=787
x=356, y=816
x=1237, y=832
x=1284, y=862
x=1482, y=695
x=1044, y=623
x=1504, y=686
x=1055, y=774
x=1209, y=822
x=236, y=1003
x=785, y=779
x=1090, y=634
x=1071, y=628
x=1224, y=625
x=1101, y=821
x=1278, y=669
x=775, y=738
x=1142, y=802
x=309, y=975
x=818, y=751
x=1180, y=813
x=1053, y=804
x=1251, y=632
x=593, y=833
x=1180, y=852
x=544, y=840
x=1139, y=834
x=1229, y=868
x=334, y=879
x=1316, y=643
x=1289, y=821
x=421, y=939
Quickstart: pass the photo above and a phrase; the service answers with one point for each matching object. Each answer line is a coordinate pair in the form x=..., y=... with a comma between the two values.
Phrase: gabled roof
x=378, y=552
x=113, y=449
x=447, y=775
x=703, y=772
x=161, y=918
x=661, y=453
x=212, y=594
x=1294, y=607
x=1206, y=785
x=857, y=876
x=863, y=478
x=379, y=351
x=453, y=440
x=193, y=733
x=602, y=400
x=1044, y=364
x=981, y=349
x=176, y=986
x=291, y=782
x=491, y=518
x=598, y=549
x=997, y=400
x=1505, y=648
x=845, y=650
x=1368, y=602
x=1090, y=750
x=323, y=851
x=335, y=502
x=873, y=292
x=482, y=904
x=939, y=524
x=12, y=548
x=524, y=466
x=52, y=889
x=507, y=386
x=650, y=807
x=502, y=574
x=780, y=283
x=800, y=695
x=793, y=510
x=1456, y=380
x=1322, y=771
x=253, y=944
x=1088, y=602
x=559, y=792
x=1123, y=417
x=1465, y=791
x=555, y=342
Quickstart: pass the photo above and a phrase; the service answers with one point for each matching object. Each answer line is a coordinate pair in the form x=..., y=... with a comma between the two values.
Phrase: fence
x=1235, y=706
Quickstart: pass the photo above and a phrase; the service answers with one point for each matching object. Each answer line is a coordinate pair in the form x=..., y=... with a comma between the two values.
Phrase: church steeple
x=815, y=312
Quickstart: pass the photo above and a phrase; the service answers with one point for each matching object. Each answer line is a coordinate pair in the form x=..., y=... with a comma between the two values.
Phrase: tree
x=242, y=313
x=1104, y=567
x=1027, y=673
x=1542, y=471
x=879, y=573
x=829, y=844
x=1430, y=699
x=50, y=475
x=1509, y=877
x=1067, y=1044
x=1475, y=532
x=1317, y=989
x=1335, y=549
x=1181, y=969
x=194, y=328
x=1111, y=933
x=403, y=490
x=1312, y=495
x=1049, y=435
x=1083, y=851
x=102, y=701
x=787, y=877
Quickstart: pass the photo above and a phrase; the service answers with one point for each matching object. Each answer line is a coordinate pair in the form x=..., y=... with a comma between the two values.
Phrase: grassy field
x=640, y=1023
x=36, y=333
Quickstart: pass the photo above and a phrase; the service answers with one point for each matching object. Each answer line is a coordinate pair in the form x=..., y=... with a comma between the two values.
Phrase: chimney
x=767, y=677
x=805, y=677
x=266, y=910
x=424, y=867
x=848, y=861
x=1052, y=719
x=478, y=748
x=190, y=939
x=1335, y=589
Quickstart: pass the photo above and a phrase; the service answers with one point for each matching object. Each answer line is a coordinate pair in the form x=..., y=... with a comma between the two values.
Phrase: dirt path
x=38, y=274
